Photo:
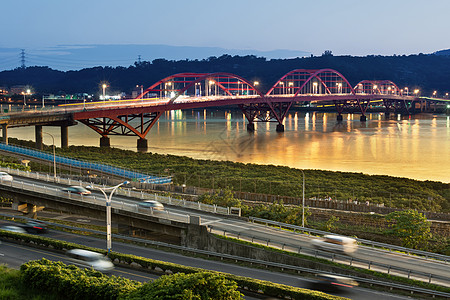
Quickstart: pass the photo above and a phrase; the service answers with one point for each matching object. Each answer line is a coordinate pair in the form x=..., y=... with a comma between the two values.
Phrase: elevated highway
x=180, y=226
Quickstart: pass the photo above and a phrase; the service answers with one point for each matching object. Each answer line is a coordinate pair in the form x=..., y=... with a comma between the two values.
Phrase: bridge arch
x=178, y=86
x=386, y=87
x=305, y=81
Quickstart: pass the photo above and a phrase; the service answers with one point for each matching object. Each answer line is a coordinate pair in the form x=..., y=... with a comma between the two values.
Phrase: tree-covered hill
x=426, y=72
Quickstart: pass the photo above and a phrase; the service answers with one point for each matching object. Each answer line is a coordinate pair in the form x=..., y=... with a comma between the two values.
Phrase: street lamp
x=104, y=90
x=406, y=89
x=54, y=155
x=303, y=200
x=255, y=84
x=108, y=209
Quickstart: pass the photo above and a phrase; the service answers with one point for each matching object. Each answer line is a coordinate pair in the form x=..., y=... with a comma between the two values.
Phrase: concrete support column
x=38, y=136
x=339, y=118
x=142, y=144
x=280, y=128
x=64, y=137
x=386, y=115
x=251, y=127
x=105, y=142
x=363, y=118
x=5, y=133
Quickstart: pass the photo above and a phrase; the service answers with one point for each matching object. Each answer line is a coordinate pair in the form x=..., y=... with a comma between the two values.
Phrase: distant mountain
x=425, y=72
x=76, y=57
x=443, y=52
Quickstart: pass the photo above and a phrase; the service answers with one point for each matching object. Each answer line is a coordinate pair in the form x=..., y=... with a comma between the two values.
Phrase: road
x=261, y=233
x=15, y=255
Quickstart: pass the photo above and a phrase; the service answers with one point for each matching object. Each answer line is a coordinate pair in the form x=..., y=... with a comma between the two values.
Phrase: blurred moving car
x=13, y=228
x=5, y=177
x=35, y=227
x=335, y=243
x=332, y=283
x=77, y=190
x=151, y=204
x=90, y=259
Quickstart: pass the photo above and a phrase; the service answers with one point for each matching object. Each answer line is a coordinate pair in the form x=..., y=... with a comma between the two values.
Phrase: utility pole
x=22, y=58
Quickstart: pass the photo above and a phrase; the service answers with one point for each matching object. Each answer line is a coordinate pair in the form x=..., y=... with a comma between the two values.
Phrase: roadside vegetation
x=269, y=179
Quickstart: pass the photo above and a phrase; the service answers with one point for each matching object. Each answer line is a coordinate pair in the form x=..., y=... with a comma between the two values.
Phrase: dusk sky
x=347, y=27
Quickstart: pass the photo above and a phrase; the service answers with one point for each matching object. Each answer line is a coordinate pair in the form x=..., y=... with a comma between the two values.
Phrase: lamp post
x=104, y=90
x=303, y=200
x=54, y=155
x=108, y=209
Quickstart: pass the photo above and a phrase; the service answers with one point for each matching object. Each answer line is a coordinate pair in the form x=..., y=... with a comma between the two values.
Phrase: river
x=416, y=147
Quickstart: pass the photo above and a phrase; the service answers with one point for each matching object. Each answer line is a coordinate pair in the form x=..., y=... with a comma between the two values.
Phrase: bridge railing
x=103, y=168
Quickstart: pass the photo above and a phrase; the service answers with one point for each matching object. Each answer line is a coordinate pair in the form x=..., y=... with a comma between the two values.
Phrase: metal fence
x=132, y=175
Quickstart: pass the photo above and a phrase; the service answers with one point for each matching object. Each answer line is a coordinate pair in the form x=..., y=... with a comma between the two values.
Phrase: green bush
x=202, y=285
x=72, y=282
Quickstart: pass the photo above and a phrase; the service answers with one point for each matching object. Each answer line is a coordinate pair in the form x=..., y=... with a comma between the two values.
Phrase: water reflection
x=417, y=147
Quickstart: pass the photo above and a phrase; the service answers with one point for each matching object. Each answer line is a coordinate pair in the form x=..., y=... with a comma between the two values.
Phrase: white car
x=335, y=243
x=155, y=205
x=5, y=177
x=13, y=228
x=89, y=259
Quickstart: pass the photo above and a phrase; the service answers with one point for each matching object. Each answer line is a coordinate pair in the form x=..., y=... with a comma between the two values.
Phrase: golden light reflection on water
x=417, y=148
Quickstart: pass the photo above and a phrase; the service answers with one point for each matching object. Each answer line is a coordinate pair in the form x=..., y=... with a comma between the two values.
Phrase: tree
x=411, y=226
x=197, y=286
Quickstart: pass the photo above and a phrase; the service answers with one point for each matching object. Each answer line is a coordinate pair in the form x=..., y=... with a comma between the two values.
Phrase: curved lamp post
x=54, y=155
x=108, y=209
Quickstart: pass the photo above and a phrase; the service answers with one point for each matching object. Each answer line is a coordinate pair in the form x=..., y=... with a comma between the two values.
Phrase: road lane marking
x=129, y=273
x=210, y=222
x=37, y=251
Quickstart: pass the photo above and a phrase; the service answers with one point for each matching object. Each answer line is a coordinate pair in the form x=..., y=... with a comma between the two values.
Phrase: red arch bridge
x=135, y=117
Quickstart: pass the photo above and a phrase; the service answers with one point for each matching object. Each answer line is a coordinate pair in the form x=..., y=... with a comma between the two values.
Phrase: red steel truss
x=196, y=90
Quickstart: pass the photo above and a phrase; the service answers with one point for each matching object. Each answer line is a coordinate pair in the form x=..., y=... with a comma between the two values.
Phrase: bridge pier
x=363, y=118
x=5, y=133
x=339, y=118
x=105, y=141
x=280, y=127
x=64, y=137
x=251, y=127
x=142, y=144
x=38, y=137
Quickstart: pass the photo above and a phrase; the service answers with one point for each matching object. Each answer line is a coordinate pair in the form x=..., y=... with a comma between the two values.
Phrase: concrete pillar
x=280, y=128
x=64, y=137
x=386, y=115
x=105, y=142
x=363, y=118
x=38, y=136
x=142, y=144
x=5, y=133
x=251, y=127
x=339, y=118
